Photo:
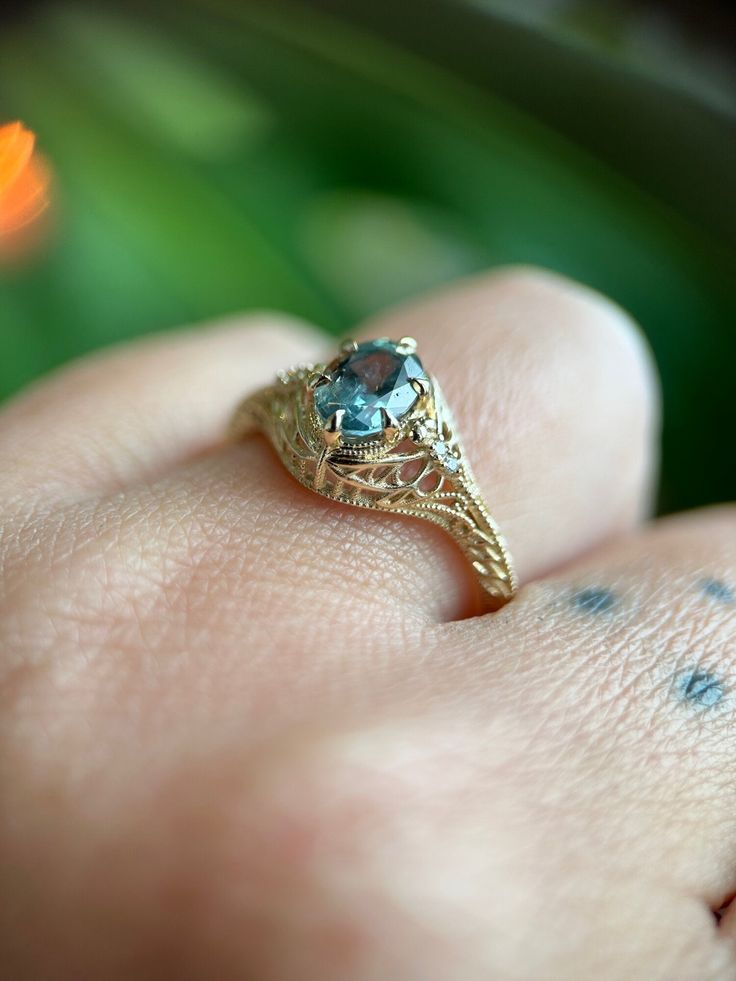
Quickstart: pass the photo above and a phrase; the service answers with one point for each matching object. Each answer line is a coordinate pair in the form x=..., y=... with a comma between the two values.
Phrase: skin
x=247, y=733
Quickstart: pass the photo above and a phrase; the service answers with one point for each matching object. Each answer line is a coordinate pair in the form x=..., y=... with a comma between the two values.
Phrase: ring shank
x=410, y=481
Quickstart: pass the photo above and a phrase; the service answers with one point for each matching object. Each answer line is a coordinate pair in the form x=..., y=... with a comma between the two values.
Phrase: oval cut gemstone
x=375, y=376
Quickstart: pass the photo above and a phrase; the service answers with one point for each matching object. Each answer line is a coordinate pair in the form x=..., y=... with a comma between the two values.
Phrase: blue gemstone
x=376, y=376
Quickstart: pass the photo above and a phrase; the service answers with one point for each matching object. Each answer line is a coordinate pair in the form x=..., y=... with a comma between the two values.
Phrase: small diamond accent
x=441, y=452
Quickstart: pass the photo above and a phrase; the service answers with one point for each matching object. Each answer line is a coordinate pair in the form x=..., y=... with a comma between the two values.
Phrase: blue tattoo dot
x=699, y=688
x=717, y=590
x=594, y=599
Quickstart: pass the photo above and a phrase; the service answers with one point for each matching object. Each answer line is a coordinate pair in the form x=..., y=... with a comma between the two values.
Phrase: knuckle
x=590, y=326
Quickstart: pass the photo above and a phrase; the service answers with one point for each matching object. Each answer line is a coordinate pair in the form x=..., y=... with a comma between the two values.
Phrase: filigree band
x=414, y=465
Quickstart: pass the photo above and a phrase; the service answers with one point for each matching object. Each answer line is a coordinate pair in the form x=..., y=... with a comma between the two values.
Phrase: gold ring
x=372, y=429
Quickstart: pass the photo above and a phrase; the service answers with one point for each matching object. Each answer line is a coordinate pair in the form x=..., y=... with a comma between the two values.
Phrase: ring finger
x=552, y=390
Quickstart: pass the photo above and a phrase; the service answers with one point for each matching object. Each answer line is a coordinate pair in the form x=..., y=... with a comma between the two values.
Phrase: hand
x=246, y=735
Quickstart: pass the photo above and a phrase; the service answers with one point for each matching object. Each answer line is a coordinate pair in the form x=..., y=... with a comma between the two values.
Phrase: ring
x=372, y=429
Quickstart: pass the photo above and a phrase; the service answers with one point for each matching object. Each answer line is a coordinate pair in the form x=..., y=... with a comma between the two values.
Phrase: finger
x=630, y=660
x=555, y=396
x=129, y=413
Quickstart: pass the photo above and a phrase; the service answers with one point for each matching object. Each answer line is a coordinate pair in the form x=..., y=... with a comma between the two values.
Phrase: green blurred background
x=332, y=157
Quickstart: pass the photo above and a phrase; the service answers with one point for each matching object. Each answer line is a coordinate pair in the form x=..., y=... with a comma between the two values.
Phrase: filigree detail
x=419, y=471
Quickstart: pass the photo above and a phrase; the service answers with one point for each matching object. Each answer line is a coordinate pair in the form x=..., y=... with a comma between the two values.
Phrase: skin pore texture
x=249, y=733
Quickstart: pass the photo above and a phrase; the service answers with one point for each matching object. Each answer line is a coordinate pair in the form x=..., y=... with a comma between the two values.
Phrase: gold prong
x=320, y=379
x=390, y=424
x=331, y=431
x=420, y=386
x=407, y=345
x=348, y=346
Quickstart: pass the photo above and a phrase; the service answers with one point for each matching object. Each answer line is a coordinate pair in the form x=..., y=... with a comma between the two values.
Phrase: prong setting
x=370, y=429
x=391, y=425
x=348, y=346
x=331, y=431
x=375, y=376
x=420, y=386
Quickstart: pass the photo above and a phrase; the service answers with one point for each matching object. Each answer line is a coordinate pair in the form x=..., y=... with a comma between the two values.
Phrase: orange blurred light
x=24, y=187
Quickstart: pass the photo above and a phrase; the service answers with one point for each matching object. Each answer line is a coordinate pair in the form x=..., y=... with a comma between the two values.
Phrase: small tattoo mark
x=594, y=599
x=717, y=590
x=699, y=688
